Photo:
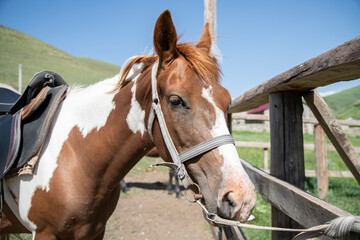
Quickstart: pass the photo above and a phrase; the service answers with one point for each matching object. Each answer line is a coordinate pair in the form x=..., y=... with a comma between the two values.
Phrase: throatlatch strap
x=206, y=146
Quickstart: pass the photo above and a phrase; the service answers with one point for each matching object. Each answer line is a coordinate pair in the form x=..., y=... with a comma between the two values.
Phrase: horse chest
x=73, y=214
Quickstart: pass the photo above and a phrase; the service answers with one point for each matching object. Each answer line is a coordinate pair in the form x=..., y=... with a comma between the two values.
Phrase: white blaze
x=232, y=166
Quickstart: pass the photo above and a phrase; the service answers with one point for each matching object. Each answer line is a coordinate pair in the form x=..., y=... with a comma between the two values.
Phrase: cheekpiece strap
x=206, y=146
x=188, y=154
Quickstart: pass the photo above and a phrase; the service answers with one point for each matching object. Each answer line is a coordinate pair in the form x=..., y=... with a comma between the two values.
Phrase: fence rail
x=339, y=64
x=266, y=145
x=304, y=208
x=284, y=94
x=312, y=147
x=308, y=173
x=246, y=116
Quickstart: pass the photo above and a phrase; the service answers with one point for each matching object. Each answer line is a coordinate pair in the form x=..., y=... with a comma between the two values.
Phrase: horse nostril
x=227, y=198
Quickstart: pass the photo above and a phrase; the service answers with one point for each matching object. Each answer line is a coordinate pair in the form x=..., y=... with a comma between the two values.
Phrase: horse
x=101, y=131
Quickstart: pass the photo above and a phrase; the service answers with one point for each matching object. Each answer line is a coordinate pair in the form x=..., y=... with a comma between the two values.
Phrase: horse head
x=194, y=106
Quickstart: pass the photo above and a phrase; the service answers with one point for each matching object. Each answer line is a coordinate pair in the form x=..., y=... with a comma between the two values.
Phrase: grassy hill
x=34, y=55
x=345, y=104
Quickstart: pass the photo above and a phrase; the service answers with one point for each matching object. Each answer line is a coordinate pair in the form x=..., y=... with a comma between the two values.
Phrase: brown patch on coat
x=10, y=223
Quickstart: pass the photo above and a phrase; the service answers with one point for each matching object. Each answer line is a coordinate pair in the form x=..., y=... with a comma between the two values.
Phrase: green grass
x=34, y=55
x=21, y=236
x=144, y=166
x=345, y=104
x=343, y=192
x=256, y=154
x=262, y=213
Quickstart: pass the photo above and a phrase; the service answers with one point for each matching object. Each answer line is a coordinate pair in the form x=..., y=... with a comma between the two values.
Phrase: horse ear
x=165, y=37
x=205, y=39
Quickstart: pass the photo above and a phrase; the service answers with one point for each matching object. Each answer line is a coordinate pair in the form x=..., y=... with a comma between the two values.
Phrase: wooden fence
x=320, y=148
x=292, y=206
x=265, y=146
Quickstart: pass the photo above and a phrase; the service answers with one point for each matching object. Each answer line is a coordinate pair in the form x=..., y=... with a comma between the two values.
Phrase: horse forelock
x=201, y=62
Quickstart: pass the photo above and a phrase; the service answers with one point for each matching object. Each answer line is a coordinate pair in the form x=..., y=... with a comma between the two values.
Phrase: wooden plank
x=252, y=144
x=340, y=174
x=334, y=132
x=321, y=162
x=332, y=148
x=339, y=64
x=245, y=116
x=287, y=151
x=301, y=206
x=266, y=158
x=229, y=122
x=312, y=173
x=307, y=146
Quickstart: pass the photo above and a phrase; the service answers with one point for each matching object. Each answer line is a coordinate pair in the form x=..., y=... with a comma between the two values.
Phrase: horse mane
x=199, y=60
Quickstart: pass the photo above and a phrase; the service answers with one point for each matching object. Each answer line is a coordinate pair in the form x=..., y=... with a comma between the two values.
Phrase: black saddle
x=25, y=119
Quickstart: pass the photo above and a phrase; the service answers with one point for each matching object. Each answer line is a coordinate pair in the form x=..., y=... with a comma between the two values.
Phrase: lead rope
x=338, y=228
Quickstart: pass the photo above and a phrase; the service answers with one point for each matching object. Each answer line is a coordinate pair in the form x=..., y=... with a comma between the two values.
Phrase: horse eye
x=176, y=101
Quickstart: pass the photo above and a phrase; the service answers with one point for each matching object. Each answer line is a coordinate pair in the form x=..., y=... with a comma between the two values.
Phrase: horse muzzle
x=237, y=202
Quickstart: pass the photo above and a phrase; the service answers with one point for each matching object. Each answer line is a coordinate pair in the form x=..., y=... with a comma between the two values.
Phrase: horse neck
x=111, y=128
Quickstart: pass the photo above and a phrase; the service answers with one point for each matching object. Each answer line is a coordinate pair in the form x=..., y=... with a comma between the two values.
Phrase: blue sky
x=258, y=39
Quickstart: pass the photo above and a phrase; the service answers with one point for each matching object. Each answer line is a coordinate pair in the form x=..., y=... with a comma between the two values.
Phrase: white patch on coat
x=86, y=108
x=232, y=166
x=136, y=117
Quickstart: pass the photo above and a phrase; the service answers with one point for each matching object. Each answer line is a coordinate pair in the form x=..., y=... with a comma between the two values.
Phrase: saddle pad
x=7, y=99
x=23, y=135
x=9, y=140
x=35, y=127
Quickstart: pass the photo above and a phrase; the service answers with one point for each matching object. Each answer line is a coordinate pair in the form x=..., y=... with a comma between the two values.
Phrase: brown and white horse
x=101, y=132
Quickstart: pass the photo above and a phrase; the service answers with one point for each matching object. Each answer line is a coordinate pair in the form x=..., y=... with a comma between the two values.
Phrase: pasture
x=343, y=192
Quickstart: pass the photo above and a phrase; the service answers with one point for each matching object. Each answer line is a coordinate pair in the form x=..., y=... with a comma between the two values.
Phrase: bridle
x=208, y=145
x=178, y=159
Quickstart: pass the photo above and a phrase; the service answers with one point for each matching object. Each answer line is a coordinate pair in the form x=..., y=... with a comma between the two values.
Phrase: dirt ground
x=148, y=212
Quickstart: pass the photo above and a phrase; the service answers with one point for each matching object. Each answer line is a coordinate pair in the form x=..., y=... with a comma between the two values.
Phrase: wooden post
x=266, y=159
x=321, y=161
x=334, y=132
x=229, y=122
x=210, y=17
x=287, y=150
